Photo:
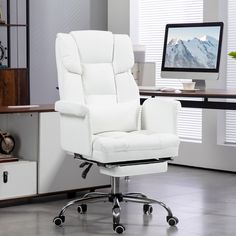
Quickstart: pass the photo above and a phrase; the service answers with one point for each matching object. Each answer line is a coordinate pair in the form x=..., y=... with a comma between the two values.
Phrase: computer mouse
x=177, y=91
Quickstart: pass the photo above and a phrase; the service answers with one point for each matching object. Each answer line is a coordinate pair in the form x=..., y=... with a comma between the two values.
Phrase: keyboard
x=153, y=88
x=161, y=89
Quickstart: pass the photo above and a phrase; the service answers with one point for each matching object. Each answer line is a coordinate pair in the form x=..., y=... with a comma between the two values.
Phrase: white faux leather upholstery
x=99, y=102
x=123, y=54
x=94, y=46
x=104, y=118
x=103, y=122
x=160, y=115
x=136, y=145
x=121, y=171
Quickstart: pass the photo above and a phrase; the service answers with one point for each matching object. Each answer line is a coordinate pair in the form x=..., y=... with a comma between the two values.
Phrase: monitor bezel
x=185, y=25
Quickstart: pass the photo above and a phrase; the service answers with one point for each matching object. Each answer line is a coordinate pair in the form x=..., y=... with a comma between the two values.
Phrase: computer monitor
x=192, y=51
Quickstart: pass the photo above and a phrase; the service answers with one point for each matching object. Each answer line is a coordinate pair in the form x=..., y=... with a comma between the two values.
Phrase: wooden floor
x=204, y=201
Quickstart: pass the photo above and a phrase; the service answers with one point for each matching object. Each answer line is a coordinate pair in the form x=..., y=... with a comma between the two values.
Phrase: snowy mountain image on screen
x=192, y=53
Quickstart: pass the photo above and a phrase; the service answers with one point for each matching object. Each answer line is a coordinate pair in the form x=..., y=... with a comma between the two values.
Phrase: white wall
x=122, y=17
x=98, y=14
x=47, y=18
x=208, y=154
x=118, y=16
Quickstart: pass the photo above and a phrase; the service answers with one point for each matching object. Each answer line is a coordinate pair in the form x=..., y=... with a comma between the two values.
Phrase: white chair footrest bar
x=142, y=169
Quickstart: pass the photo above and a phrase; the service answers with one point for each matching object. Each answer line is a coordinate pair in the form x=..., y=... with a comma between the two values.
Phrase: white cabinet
x=57, y=170
x=44, y=166
x=18, y=179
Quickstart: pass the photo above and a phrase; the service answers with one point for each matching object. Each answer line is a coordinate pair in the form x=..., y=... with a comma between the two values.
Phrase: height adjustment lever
x=86, y=170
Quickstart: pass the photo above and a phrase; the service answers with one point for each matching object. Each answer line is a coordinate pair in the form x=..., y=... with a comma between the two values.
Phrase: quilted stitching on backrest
x=103, y=62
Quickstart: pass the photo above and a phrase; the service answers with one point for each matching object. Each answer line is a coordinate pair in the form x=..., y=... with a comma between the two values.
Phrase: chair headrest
x=94, y=46
x=90, y=46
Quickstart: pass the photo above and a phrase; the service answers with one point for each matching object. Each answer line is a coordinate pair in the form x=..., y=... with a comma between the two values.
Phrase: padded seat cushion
x=137, y=145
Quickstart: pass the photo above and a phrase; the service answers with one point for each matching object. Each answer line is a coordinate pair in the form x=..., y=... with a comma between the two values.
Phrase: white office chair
x=102, y=121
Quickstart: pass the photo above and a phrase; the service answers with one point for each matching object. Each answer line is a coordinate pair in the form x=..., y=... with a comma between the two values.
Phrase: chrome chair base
x=116, y=198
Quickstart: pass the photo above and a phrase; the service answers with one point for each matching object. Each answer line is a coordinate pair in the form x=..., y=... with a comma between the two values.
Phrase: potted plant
x=232, y=54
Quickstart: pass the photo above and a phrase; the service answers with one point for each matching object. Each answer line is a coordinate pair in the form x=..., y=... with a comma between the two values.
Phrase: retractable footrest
x=130, y=170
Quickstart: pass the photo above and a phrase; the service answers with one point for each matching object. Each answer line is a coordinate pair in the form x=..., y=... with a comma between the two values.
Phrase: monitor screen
x=192, y=47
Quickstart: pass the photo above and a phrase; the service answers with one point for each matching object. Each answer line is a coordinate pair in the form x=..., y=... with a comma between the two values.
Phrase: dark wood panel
x=14, y=87
x=26, y=109
x=219, y=94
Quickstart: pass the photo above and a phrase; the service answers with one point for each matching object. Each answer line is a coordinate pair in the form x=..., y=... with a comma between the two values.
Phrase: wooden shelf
x=3, y=67
x=7, y=158
x=13, y=25
x=29, y=109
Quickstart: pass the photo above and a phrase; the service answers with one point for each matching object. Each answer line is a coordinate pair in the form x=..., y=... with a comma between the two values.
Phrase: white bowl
x=189, y=85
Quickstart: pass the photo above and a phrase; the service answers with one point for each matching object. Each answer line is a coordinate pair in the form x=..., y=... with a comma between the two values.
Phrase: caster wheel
x=147, y=209
x=59, y=220
x=118, y=228
x=172, y=220
x=82, y=209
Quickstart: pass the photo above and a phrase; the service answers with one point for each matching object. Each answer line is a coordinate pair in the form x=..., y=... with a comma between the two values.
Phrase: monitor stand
x=200, y=84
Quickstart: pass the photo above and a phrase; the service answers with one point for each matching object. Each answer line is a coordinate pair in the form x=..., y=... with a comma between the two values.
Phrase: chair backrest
x=94, y=68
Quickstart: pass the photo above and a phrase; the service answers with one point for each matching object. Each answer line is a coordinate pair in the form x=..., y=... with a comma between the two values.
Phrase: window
x=230, y=119
x=152, y=18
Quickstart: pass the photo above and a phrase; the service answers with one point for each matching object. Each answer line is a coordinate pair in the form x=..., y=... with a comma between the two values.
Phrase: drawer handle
x=5, y=176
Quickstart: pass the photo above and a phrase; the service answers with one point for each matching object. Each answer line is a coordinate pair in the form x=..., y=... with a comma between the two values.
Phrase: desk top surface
x=27, y=108
x=208, y=93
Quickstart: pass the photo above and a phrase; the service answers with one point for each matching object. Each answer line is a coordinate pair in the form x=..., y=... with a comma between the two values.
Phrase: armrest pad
x=160, y=115
x=71, y=108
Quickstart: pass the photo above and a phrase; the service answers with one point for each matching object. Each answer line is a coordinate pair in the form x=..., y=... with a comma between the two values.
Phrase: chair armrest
x=71, y=108
x=160, y=115
x=75, y=127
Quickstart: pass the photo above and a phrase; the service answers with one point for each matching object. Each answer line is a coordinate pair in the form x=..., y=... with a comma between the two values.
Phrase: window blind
x=153, y=16
x=230, y=119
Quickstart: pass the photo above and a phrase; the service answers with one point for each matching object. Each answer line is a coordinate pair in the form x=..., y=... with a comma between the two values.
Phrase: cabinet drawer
x=17, y=179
